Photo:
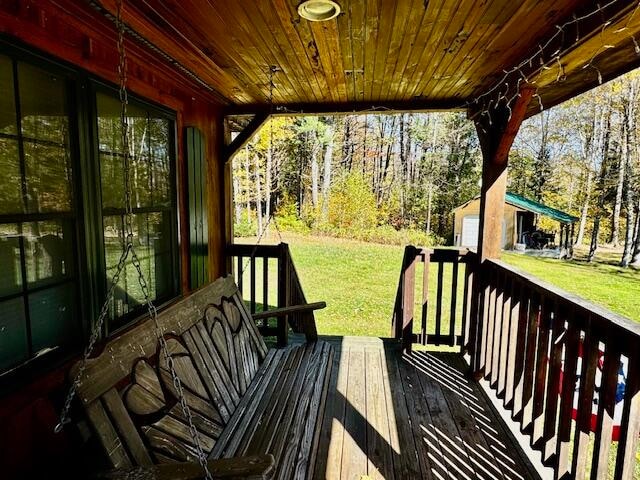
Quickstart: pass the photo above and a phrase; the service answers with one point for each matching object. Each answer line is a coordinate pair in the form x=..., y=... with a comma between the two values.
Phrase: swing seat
x=257, y=411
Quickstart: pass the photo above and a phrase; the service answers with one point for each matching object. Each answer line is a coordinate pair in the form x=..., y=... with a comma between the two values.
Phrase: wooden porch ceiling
x=404, y=54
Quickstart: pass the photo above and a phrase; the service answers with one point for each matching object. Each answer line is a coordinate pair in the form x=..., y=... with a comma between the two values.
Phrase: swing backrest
x=129, y=395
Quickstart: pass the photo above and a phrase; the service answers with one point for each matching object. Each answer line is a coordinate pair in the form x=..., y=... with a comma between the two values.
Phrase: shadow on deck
x=395, y=416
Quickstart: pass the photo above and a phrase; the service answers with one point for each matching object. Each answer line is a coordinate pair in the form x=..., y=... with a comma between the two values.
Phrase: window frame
x=89, y=278
x=97, y=86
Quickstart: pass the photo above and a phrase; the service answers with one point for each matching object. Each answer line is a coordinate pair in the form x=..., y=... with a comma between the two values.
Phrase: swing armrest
x=251, y=467
x=280, y=312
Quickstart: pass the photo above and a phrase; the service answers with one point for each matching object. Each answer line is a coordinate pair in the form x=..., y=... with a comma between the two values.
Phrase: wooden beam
x=403, y=106
x=496, y=131
x=244, y=136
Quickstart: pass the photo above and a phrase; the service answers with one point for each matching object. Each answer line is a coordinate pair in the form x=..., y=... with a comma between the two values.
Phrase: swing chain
x=128, y=249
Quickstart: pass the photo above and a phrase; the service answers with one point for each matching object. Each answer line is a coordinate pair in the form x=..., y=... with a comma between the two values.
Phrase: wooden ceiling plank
x=371, y=28
x=617, y=63
x=188, y=56
x=300, y=32
x=202, y=17
x=507, y=46
x=445, y=37
x=344, y=32
x=475, y=25
x=412, y=18
x=311, y=53
x=253, y=27
x=420, y=45
x=330, y=58
x=284, y=54
x=288, y=19
x=387, y=23
x=462, y=84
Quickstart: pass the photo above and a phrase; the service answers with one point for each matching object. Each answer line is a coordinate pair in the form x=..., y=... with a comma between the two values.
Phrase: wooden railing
x=266, y=277
x=566, y=370
x=554, y=357
x=450, y=320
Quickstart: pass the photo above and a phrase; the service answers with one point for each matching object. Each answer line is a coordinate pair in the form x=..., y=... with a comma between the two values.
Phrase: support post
x=496, y=131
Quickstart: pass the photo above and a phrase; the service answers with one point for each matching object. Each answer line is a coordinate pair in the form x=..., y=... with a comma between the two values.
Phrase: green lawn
x=359, y=280
x=602, y=282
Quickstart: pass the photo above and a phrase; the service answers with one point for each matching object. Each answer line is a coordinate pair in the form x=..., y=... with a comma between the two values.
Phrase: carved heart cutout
x=233, y=315
x=144, y=396
x=184, y=367
x=217, y=332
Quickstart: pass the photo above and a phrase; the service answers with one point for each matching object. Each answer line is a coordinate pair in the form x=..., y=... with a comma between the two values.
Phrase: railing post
x=403, y=313
x=284, y=294
x=476, y=318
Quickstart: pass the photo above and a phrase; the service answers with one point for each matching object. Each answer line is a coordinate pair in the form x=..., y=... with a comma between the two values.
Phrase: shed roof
x=537, y=207
x=532, y=206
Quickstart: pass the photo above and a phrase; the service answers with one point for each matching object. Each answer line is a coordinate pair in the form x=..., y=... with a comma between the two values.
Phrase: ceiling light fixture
x=318, y=10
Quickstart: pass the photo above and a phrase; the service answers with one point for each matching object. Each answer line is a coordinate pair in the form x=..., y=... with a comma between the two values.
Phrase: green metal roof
x=537, y=207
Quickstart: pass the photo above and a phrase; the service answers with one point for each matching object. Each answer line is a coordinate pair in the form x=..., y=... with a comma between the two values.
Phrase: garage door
x=470, y=228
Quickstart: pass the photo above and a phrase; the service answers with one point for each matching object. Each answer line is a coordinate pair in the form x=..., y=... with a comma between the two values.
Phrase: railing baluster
x=454, y=294
x=466, y=306
x=239, y=281
x=529, y=362
x=606, y=408
x=490, y=323
x=542, y=363
x=521, y=349
x=497, y=328
x=439, y=302
x=569, y=373
x=553, y=385
x=265, y=283
x=630, y=426
x=252, y=278
x=512, y=344
x=425, y=297
x=590, y=346
x=504, y=335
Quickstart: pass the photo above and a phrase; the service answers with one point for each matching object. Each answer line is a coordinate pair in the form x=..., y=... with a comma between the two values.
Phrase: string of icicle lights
x=488, y=99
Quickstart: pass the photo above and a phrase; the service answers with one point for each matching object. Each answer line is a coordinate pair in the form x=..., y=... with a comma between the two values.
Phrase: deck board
x=389, y=416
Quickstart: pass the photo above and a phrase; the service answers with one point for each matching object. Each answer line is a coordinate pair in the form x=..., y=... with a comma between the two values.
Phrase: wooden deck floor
x=400, y=417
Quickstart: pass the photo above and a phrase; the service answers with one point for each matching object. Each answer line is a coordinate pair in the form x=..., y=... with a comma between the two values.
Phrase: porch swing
x=193, y=391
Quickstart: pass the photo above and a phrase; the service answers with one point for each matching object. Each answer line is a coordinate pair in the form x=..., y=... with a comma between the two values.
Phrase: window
x=62, y=208
x=38, y=279
x=150, y=139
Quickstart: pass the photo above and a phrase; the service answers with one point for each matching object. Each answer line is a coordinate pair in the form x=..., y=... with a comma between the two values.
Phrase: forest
x=396, y=178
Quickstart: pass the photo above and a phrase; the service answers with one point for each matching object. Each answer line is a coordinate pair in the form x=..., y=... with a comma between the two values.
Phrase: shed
x=520, y=217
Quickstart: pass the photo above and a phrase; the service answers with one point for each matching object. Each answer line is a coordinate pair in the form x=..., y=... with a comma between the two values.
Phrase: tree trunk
x=628, y=126
x=617, y=206
x=606, y=131
x=247, y=182
x=267, y=179
x=588, y=150
x=314, y=175
x=326, y=174
x=635, y=257
x=258, y=193
x=236, y=199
